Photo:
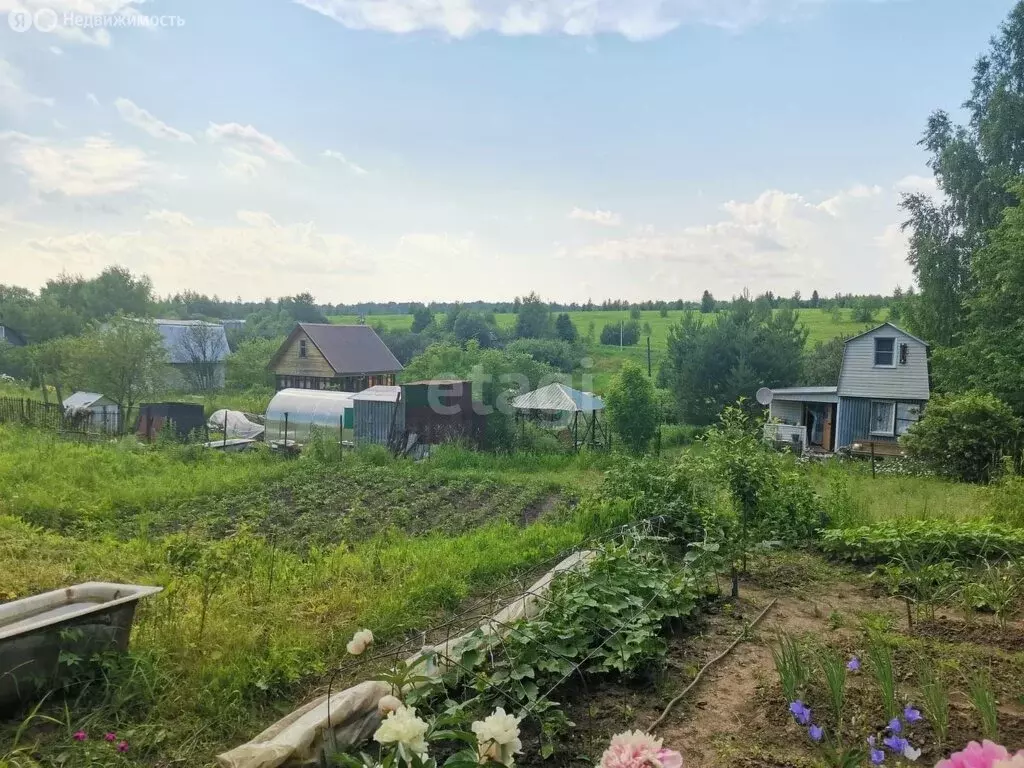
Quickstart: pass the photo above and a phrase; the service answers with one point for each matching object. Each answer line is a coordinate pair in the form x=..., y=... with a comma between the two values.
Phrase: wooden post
x=872, y=458
x=648, y=357
x=225, y=445
x=286, y=430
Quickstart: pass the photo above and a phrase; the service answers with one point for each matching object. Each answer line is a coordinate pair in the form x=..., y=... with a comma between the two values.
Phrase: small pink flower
x=122, y=746
x=110, y=736
x=80, y=736
x=975, y=755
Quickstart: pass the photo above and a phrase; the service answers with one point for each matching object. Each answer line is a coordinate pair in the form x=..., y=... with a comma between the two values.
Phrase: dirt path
x=731, y=709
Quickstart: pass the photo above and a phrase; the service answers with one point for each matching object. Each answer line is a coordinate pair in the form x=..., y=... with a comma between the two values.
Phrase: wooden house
x=882, y=391
x=345, y=358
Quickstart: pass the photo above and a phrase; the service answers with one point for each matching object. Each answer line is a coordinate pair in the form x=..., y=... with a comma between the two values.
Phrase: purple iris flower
x=853, y=664
x=911, y=715
x=815, y=732
x=896, y=743
x=877, y=757
x=895, y=726
x=800, y=712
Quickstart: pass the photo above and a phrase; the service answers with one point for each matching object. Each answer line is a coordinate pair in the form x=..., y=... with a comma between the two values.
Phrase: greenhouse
x=293, y=412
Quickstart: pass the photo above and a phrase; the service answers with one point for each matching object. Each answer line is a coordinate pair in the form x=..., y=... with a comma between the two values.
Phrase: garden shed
x=379, y=416
x=561, y=406
x=292, y=413
x=97, y=411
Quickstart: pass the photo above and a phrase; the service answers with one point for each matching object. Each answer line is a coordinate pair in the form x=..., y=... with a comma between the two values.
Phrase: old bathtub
x=77, y=621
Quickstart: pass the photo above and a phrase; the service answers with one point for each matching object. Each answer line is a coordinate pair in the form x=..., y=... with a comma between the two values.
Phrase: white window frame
x=895, y=352
x=892, y=420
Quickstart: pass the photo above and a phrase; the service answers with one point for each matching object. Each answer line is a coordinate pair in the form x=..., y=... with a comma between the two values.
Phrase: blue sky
x=444, y=149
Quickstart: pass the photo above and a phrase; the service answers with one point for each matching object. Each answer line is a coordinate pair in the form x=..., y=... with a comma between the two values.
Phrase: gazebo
x=569, y=404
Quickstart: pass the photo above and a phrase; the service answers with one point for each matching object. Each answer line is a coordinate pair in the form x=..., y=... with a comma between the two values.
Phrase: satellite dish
x=764, y=396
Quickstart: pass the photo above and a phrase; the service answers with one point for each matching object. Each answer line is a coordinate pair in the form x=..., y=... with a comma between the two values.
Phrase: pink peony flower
x=984, y=755
x=80, y=736
x=636, y=749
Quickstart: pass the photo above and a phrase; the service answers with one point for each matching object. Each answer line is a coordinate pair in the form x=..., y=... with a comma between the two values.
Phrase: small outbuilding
x=380, y=416
x=558, y=405
x=184, y=419
x=294, y=413
x=93, y=411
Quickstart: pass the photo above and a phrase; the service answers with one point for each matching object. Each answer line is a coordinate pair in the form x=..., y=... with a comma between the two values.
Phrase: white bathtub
x=33, y=633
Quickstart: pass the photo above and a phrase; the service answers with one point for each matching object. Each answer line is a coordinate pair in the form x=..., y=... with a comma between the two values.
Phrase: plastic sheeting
x=299, y=737
x=237, y=424
x=305, y=408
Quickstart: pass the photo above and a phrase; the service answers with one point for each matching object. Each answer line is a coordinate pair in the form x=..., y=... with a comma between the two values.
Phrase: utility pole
x=648, y=357
x=620, y=334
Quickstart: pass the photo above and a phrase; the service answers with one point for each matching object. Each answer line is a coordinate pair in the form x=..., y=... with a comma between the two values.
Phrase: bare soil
x=737, y=718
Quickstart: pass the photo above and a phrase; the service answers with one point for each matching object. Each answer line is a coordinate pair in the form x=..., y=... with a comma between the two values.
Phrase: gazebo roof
x=558, y=397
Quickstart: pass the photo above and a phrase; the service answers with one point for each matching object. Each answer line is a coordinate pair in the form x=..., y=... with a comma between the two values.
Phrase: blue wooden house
x=882, y=391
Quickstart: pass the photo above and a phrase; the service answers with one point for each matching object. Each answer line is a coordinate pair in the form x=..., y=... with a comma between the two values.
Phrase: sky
x=474, y=149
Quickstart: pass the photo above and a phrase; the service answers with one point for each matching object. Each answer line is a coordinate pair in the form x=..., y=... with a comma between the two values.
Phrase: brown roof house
x=345, y=358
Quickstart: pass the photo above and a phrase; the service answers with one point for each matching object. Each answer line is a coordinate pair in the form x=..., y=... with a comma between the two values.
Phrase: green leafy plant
x=979, y=688
x=958, y=541
x=879, y=656
x=833, y=667
x=791, y=665
x=935, y=700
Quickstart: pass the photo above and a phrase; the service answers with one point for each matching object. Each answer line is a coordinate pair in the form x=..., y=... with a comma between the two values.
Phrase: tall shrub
x=632, y=407
x=965, y=436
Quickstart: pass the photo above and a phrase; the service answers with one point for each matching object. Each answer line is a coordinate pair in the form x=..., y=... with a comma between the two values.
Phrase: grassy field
x=607, y=360
x=820, y=324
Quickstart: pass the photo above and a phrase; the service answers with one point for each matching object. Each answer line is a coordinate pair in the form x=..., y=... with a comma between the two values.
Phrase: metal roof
x=85, y=400
x=175, y=336
x=380, y=393
x=806, y=391
x=558, y=397
x=894, y=327
x=352, y=349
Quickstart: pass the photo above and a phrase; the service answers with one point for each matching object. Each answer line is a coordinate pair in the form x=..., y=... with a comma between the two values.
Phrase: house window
x=883, y=417
x=885, y=352
x=302, y=348
x=907, y=415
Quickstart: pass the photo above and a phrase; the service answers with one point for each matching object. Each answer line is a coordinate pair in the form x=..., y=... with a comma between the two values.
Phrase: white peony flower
x=405, y=730
x=498, y=738
x=360, y=641
x=388, y=704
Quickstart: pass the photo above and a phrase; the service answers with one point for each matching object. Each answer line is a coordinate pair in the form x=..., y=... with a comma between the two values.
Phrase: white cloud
x=779, y=240
x=13, y=94
x=259, y=219
x=633, y=19
x=241, y=165
x=93, y=166
x=604, y=218
x=170, y=218
x=335, y=155
x=247, y=139
x=56, y=50
x=135, y=115
x=92, y=99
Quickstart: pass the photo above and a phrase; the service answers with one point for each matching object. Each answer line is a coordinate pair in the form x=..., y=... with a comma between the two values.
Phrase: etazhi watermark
x=49, y=20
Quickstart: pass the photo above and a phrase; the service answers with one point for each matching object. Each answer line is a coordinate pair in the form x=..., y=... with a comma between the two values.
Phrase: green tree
x=823, y=363
x=247, y=366
x=634, y=313
x=863, y=313
x=422, y=318
x=707, y=303
x=633, y=407
x=564, y=328
x=124, y=360
x=990, y=357
x=965, y=436
x=533, y=320
x=471, y=326
x=712, y=364
x=815, y=300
